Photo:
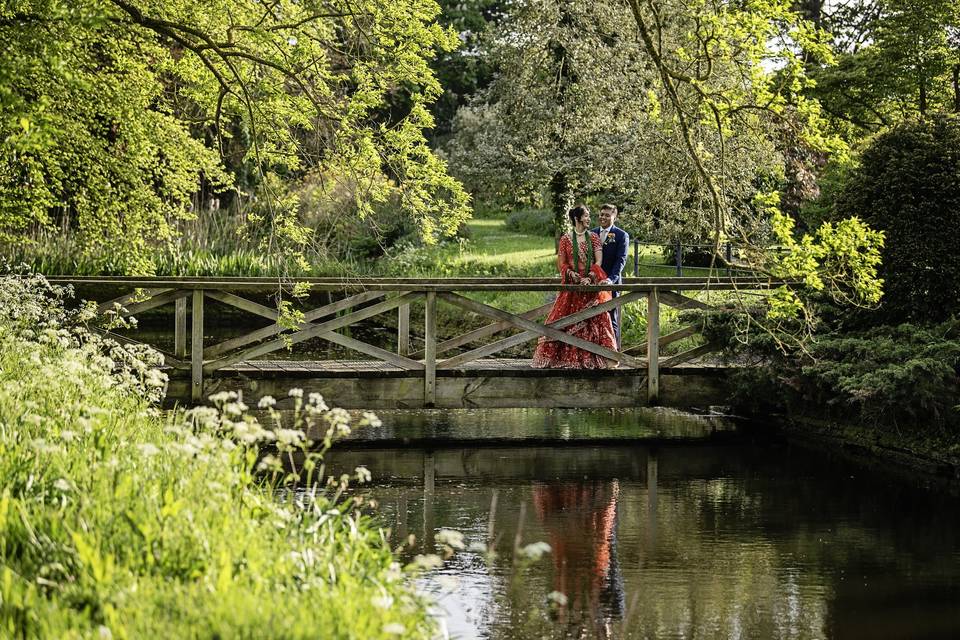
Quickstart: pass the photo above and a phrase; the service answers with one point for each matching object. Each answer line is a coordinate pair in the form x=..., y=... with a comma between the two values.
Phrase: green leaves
x=908, y=186
x=112, y=111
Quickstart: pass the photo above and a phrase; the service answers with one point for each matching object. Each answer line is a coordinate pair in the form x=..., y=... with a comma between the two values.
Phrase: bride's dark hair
x=575, y=213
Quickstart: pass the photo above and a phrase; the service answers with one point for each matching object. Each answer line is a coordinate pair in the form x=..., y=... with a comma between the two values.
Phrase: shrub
x=700, y=255
x=534, y=222
x=882, y=377
x=908, y=185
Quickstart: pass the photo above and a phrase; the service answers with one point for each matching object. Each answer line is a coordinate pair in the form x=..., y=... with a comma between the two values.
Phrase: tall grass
x=117, y=521
x=214, y=244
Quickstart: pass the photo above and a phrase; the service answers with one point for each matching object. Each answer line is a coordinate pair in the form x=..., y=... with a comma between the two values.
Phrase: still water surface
x=674, y=534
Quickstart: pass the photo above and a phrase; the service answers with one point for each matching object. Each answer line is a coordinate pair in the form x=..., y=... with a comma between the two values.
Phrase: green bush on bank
x=898, y=379
x=534, y=222
x=907, y=184
x=116, y=521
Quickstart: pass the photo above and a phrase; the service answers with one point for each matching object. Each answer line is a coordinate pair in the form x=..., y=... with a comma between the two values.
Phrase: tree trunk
x=923, y=96
x=812, y=10
x=956, y=88
x=560, y=195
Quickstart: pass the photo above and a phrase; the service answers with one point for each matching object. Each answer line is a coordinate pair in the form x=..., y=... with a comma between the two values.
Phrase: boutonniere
x=611, y=238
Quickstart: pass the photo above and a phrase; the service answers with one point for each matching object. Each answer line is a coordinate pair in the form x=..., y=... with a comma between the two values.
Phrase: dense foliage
x=907, y=184
x=116, y=521
x=116, y=117
x=683, y=120
x=897, y=59
x=901, y=380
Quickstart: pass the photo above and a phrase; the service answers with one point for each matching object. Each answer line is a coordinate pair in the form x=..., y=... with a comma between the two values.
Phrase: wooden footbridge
x=438, y=371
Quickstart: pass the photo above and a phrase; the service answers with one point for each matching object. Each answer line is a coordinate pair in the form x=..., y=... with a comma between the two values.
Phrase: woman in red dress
x=578, y=260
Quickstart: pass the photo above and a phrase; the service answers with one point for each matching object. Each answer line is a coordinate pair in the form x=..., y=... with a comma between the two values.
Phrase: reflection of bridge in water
x=573, y=498
x=441, y=371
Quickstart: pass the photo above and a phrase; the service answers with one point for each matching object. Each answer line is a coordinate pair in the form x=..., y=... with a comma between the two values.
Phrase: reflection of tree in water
x=581, y=521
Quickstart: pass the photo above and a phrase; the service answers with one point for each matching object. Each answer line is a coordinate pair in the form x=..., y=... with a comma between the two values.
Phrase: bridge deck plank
x=487, y=367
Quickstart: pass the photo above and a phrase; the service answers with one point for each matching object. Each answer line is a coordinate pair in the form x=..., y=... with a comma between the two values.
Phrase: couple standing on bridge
x=586, y=257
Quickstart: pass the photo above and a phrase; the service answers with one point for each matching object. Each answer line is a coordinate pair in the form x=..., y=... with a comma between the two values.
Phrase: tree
x=908, y=185
x=898, y=59
x=685, y=109
x=469, y=68
x=561, y=109
x=111, y=110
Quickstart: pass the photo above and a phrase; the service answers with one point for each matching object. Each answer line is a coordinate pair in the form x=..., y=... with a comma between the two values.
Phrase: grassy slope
x=118, y=522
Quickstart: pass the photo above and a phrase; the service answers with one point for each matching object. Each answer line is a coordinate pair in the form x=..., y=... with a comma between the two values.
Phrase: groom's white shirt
x=604, y=232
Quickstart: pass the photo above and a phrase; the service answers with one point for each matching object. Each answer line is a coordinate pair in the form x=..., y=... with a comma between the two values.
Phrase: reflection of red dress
x=551, y=354
x=581, y=519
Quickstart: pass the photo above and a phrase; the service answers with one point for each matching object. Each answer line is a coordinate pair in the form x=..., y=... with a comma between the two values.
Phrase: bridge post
x=653, y=347
x=180, y=328
x=430, y=350
x=403, y=330
x=196, y=347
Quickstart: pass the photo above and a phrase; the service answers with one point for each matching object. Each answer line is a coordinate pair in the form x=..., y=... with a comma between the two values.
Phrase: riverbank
x=927, y=461
x=119, y=521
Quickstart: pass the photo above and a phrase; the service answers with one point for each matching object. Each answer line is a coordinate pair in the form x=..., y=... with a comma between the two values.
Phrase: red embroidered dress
x=551, y=354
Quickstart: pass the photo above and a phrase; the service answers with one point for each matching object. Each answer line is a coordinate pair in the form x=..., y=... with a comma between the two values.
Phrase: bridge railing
x=359, y=299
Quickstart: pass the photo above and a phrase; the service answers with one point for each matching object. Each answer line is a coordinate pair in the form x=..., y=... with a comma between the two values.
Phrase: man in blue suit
x=615, y=242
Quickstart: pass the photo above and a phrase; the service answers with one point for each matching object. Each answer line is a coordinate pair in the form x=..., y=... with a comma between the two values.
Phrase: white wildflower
x=394, y=628
x=234, y=409
x=316, y=401
x=535, y=551
x=451, y=538
x=370, y=419
x=155, y=378
x=250, y=432
x=266, y=402
x=148, y=449
x=68, y=436
x=557, y=598
x=270, y=463
x=295, y=393
x=382, y=602
x=223, y=397
x=338, y=415
x=42, y=446
x=363, y=474
x=290, y=437
x=62, y=485
x=292, y=41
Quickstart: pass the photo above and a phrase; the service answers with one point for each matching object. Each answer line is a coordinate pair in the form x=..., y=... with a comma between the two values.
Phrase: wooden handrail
x=422, y=285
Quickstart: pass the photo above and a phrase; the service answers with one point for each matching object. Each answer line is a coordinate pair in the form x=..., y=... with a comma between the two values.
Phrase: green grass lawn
x=493, y=249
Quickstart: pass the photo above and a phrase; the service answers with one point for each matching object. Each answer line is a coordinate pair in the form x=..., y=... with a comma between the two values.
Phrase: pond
x=659, y=529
